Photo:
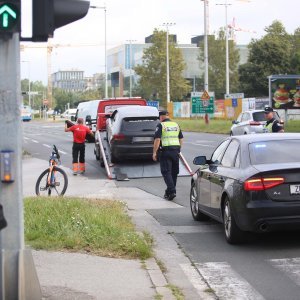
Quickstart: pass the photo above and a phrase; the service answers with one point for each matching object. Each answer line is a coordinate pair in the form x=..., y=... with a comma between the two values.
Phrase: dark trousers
x=169, y=167
x=78, y=150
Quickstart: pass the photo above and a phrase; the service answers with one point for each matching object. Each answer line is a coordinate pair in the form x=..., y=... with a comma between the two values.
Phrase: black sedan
x=251, y=183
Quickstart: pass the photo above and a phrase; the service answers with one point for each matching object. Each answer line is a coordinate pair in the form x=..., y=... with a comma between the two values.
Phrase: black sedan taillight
x=260, y=184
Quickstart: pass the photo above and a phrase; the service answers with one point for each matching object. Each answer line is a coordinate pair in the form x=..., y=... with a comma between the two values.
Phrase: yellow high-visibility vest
x=170, y=134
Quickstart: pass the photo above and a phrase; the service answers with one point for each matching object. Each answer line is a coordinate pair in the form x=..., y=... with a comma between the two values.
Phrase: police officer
x=272, y=125
x=79, y=135
x=167, y=143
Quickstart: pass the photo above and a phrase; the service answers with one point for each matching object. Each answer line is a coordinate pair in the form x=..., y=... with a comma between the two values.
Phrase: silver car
x=251, y=121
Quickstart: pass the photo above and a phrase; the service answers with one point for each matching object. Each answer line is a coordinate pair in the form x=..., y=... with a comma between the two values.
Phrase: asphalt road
x=266, y=267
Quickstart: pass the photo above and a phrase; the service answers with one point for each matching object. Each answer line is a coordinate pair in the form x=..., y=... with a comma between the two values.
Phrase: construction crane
x=49, y=46
x=233, y=28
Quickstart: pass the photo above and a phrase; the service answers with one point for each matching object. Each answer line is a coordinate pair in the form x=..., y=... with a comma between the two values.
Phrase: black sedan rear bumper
x=262, y=216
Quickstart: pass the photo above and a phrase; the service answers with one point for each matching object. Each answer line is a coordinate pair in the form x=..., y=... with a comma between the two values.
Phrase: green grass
x=100, y=227
x=223, y=126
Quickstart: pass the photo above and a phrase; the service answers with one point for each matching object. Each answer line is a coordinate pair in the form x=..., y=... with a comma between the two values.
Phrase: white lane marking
x=290, y=266
x=197, y=144
x=46, y=145
x=35, y=141
x=197, y=281
x=227, y=283
x=63, y=152
x=26, y=138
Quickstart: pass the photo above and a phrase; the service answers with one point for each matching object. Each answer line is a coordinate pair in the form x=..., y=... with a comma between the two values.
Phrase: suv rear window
x=139, y=124
x=259, y=116
x=281, y=152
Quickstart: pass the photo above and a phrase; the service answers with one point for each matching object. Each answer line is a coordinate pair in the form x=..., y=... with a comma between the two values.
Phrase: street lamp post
x=205, y=45
x=227, y=47
x=167, y=59
x=105, y=47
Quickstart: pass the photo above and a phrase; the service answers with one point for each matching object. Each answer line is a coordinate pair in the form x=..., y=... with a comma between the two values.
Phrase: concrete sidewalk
x=65, y=275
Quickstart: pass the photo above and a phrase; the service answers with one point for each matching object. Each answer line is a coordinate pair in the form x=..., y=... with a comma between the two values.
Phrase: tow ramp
x=134, y=168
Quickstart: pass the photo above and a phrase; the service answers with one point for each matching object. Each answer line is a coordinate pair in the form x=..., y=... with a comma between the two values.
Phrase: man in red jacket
x=79, y=134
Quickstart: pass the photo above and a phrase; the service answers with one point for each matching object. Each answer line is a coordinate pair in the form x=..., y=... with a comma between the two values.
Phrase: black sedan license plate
x=295, y=189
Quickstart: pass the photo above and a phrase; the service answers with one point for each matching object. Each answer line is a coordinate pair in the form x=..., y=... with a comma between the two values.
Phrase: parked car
x=250, y=183
x=130, y=132
x=69, y=114
x=251, y=121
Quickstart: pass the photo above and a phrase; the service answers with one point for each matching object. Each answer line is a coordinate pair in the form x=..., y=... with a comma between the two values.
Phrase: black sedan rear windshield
x=274, y=152
x=139, y=123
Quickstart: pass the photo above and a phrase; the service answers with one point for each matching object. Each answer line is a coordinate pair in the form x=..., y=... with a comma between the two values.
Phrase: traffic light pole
x=18, y=279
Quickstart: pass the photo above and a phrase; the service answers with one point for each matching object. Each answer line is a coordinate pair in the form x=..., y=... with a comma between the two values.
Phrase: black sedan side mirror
x=200, y=160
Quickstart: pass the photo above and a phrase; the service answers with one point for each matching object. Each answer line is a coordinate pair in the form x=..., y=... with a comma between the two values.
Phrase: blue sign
x=234, y=102
x=153, y=103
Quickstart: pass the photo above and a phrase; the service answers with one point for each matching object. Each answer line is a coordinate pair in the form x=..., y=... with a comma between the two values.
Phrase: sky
x=136, y=19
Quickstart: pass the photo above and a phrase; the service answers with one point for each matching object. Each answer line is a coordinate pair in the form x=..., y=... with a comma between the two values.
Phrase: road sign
x=205, y=96
x=236, y=95
x=201, y=104
x=153, y=103
x=9, y=16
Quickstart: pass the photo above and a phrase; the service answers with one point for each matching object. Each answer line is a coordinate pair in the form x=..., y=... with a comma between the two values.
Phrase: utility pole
x=18, y=279
x=205, y=45
x=227, y=47
x=167, y=59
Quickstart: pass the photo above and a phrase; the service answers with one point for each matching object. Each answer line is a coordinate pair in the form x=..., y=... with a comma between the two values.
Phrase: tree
x=35, y=86
x=295, y=59
x=62, y=97
x=275, y=53
x=152, y=73
x=217, y=64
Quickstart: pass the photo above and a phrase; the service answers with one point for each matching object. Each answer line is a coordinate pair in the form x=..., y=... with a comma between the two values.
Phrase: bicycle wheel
x=58, y=183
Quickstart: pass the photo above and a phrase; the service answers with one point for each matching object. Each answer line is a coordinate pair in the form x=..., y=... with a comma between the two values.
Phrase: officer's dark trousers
x=78, y=149
x=169, y=167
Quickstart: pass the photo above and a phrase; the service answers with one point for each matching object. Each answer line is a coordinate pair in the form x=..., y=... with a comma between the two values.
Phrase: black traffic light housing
x=48, y=15
x=10, y=17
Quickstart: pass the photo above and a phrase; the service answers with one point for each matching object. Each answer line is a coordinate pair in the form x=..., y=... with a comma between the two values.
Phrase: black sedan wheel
x=233, y=234
x=194, y=202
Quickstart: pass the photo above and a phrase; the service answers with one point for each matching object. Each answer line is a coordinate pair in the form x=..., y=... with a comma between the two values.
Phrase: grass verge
x=100, y=227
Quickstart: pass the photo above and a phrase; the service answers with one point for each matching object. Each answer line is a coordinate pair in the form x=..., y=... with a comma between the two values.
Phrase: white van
x=69, y=114
x=88, y=111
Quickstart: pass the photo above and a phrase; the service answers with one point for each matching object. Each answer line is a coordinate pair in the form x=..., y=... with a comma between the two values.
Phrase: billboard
x=285, y=91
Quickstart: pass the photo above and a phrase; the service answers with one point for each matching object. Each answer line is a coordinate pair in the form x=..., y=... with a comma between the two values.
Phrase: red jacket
x=79, y=133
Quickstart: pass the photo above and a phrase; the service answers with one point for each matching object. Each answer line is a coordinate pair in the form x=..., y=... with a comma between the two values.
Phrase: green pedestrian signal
x=9, y=17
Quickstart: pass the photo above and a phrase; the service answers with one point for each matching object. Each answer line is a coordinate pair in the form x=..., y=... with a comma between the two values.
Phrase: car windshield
x=139, y=124
x=280, y=150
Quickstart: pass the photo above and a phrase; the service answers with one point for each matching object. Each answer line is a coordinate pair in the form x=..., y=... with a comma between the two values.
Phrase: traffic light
x=10, y=20
x=48, y=15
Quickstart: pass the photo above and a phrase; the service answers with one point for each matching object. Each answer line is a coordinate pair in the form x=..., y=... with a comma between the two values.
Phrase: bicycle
x=53, y=179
